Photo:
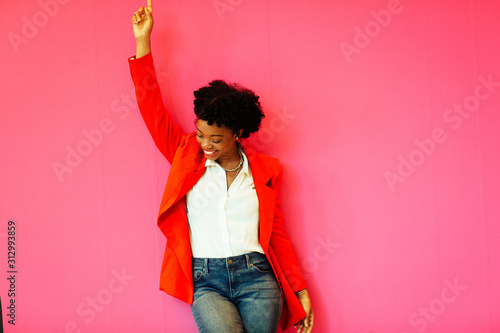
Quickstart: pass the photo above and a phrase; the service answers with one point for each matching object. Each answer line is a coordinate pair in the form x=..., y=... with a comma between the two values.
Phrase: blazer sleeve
x=282, y=245
x=166, y=135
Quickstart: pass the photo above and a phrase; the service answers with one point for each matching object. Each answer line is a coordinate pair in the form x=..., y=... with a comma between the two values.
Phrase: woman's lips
x=210, y=153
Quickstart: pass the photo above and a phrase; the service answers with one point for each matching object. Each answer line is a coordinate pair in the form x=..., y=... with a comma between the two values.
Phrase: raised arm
x=143, y=25
x=166, y=134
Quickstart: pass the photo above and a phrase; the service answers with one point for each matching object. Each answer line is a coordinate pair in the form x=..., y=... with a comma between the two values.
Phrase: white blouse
x=222, y=222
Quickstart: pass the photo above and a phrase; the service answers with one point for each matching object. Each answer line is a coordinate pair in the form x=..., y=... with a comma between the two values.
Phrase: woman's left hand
x=306, y=324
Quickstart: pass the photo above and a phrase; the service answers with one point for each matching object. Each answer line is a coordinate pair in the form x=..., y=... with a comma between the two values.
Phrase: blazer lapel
x=183, y=175
x=262, y=174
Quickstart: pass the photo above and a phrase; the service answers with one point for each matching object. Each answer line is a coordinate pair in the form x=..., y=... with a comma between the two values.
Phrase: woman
x=227, y=252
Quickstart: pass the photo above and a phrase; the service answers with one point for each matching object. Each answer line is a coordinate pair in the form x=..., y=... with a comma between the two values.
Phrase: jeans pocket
x=262, y=266
x=198, y=273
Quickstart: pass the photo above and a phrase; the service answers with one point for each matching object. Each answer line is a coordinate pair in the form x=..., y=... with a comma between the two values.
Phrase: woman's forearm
x=143, y=47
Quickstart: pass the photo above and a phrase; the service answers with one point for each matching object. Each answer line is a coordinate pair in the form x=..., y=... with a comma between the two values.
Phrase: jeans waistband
x=237, y=261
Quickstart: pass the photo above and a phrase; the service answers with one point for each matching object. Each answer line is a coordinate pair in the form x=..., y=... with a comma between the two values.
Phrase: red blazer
x=187, y=166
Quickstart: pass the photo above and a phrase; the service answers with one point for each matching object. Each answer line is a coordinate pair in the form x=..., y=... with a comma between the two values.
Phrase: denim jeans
x=236, y=294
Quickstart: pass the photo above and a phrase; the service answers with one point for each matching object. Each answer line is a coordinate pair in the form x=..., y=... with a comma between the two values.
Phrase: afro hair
x=229, y=105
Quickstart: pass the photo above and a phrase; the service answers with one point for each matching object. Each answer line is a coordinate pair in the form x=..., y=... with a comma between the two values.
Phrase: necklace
x=232, y=170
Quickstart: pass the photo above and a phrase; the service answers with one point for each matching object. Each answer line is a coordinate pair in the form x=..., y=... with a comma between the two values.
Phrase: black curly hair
x=229, y=105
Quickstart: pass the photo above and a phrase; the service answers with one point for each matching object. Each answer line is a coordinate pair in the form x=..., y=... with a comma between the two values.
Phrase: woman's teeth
x=209, y=153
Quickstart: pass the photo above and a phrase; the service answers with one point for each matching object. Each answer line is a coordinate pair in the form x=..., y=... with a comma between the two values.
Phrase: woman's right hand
x=143, y=22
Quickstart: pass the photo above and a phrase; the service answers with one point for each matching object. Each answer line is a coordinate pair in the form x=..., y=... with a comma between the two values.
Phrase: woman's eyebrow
x=210, y=135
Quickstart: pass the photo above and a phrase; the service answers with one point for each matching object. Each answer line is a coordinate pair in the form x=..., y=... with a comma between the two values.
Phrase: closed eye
x=201, y=137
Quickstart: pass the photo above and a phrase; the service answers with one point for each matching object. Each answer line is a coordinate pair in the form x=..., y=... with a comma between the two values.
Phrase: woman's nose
x=205, y=144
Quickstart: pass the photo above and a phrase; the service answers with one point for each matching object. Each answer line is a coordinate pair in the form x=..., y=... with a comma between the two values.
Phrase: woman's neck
x=231, y=161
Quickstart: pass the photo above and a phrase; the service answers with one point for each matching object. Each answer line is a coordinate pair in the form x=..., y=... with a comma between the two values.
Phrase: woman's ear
x=238, y=134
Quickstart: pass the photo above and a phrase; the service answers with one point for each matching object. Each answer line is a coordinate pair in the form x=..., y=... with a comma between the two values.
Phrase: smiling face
x=218, y=143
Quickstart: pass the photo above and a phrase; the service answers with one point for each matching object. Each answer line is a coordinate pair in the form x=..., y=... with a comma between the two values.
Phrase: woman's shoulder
x=191, y=143
x=262, y=160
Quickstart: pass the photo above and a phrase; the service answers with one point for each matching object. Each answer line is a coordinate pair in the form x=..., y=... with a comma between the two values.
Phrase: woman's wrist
x=143, y=39
x=143, y=46
x=301, y=293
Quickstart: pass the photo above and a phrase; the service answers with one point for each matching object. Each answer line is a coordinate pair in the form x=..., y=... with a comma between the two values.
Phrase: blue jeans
x=236, y=294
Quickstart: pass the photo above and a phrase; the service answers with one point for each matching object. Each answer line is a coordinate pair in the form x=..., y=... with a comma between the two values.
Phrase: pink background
x=390, y=196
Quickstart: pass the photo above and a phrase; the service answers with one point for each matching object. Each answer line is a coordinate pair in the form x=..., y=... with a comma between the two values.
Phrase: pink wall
x=385, y=115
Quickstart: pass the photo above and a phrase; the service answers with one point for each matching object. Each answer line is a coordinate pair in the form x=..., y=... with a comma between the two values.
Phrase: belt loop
x=248, y=260
x=206, y=265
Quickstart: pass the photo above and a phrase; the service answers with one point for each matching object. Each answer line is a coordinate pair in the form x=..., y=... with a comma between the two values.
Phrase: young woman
x=227, y=252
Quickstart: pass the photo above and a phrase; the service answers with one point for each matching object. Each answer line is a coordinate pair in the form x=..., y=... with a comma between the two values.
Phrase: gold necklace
x=239, y=165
